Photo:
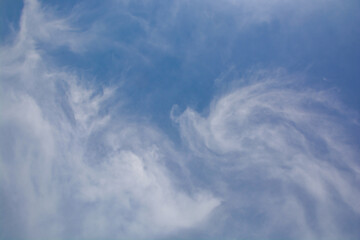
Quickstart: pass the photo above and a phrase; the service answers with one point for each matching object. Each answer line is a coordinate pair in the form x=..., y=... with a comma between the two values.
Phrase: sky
x=202, y=119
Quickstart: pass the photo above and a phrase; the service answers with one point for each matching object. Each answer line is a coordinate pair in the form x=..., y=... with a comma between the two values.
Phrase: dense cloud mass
x=268, y=158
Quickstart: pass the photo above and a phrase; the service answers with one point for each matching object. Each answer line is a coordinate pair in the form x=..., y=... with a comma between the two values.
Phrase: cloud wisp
x=284, y=159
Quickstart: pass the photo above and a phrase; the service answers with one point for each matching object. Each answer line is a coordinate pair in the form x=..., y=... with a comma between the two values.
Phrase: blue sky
x=144, y=119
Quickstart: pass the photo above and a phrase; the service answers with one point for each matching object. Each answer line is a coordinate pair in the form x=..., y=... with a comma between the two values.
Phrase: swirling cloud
x=285, y=156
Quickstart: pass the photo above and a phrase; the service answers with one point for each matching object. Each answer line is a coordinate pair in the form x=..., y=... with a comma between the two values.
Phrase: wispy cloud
x=69, y=168
x=284, y=154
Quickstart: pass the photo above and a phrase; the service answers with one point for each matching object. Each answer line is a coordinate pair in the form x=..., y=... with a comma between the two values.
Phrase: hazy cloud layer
x=268, y=159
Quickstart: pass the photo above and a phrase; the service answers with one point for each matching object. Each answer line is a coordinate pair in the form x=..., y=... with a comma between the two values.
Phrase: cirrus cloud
x=269, y=159
x=286, y=158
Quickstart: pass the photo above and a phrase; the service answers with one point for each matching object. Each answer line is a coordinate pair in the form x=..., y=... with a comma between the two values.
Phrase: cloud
x=285, y=158
x=70, y=168
x=269, y=159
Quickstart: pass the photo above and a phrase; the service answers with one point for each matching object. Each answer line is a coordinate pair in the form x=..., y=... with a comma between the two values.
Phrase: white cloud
x=293, y=146
x=68, y=168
